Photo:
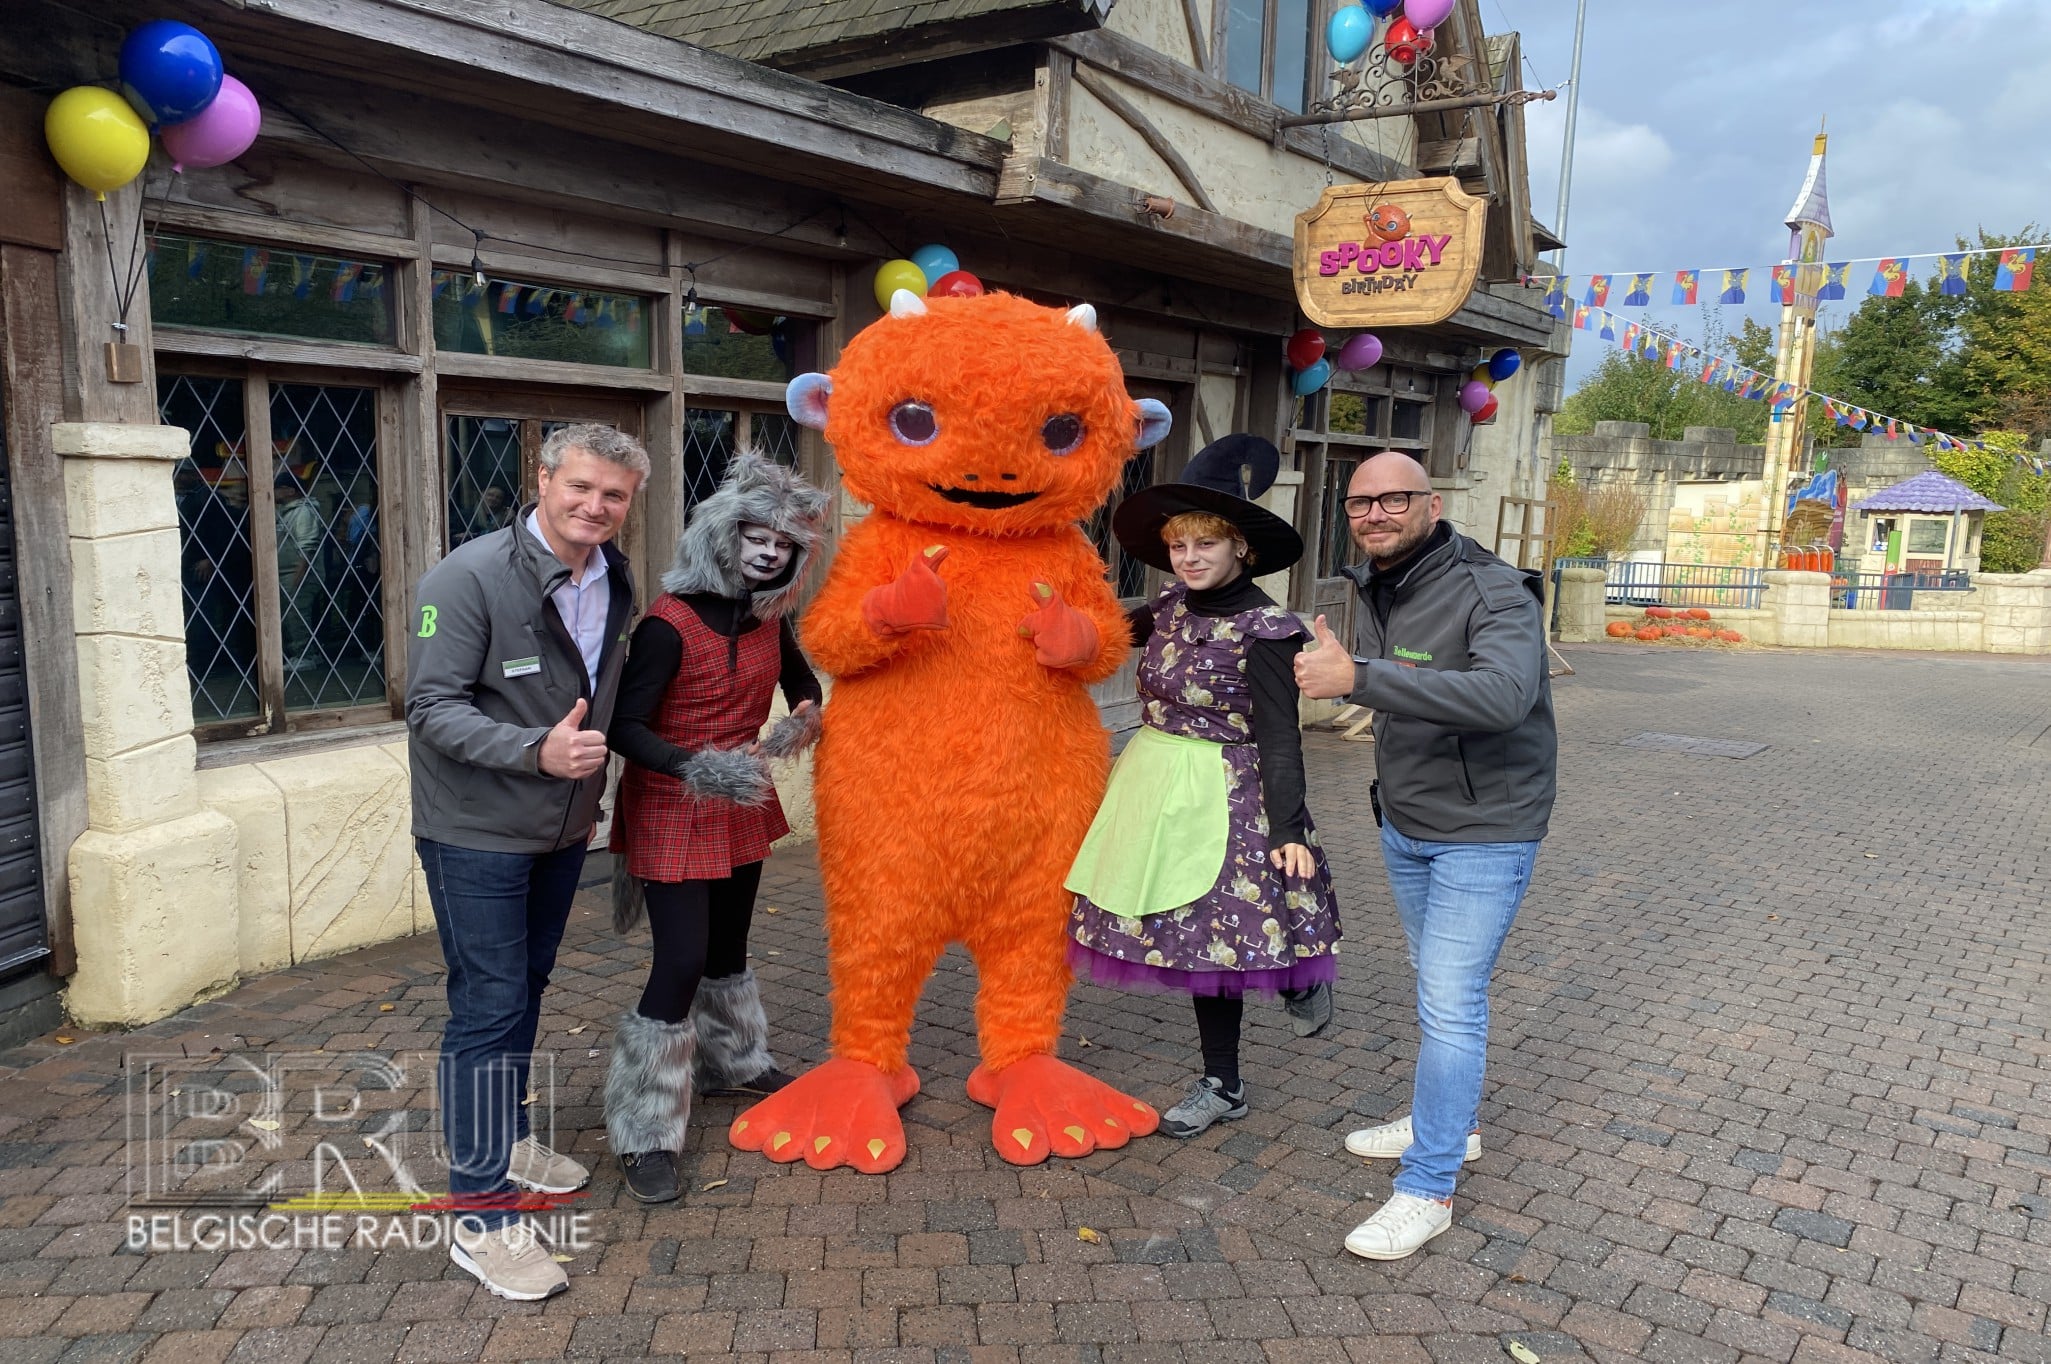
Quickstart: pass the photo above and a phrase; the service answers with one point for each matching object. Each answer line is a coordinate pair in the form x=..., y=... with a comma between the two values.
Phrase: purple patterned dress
x=1253, y=930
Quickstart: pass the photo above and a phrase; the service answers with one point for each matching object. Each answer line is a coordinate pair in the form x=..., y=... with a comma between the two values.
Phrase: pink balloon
x=1474, y=396
x=1360, y=352
x=218, y=133
x=1427, y=14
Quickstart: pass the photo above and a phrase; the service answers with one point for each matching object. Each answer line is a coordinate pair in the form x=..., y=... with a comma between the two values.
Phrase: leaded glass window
x=204, y=283
x=214, y=545
x=330, y=569
x=528, y=320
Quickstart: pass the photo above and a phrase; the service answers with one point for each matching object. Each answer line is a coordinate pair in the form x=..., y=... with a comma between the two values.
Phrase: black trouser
x=701, y=931
x=1217, y=1031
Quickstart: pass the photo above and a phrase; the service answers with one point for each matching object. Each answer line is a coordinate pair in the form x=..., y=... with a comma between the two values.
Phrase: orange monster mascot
x=963, y=621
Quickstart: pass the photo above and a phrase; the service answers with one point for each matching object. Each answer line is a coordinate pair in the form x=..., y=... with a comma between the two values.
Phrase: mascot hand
x=916, y=601
x=1062, y=636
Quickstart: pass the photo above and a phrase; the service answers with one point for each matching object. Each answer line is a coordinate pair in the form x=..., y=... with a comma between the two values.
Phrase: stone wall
x=1626, y=453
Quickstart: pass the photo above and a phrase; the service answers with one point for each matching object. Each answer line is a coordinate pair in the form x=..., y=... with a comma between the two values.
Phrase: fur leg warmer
x=648, y=1085
x=732, y=1030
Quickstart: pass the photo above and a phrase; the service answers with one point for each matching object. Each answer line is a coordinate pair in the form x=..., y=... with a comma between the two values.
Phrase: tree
x=1626, y=388
x=2013, y=540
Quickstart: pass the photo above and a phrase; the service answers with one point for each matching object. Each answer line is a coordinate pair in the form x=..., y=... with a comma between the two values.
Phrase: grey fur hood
x=757, y=491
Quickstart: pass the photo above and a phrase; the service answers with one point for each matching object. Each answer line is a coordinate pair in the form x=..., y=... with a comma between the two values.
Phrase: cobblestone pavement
x=1769, y=1083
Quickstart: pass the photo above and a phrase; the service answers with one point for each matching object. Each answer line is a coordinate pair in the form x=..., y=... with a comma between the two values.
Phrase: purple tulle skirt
x=1118, y=974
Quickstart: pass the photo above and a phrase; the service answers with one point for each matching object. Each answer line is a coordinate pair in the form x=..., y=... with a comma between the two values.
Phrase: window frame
x=273, y=719
x=1270, y=18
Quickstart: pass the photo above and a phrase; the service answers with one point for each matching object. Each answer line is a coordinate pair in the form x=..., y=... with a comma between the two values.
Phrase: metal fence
x=1632, y=583
x=1893, y=591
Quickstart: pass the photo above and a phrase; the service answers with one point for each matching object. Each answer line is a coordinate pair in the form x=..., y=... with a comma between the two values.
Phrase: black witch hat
x=1224, y=479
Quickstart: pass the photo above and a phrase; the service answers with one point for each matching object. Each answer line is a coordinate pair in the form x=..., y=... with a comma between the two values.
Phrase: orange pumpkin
x=1648, y=632
x=1696, y=613
x=1730, y=636
x=1660, y=612
x=1698, y=632
x=1619, y=629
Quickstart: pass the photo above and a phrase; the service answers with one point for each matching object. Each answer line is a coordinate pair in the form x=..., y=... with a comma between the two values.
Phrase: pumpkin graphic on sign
x=1388, y=222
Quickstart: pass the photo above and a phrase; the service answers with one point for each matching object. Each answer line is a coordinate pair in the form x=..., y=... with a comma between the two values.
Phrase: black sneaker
x=761, y=1087
x=651, y=1175
x=1207, y=1102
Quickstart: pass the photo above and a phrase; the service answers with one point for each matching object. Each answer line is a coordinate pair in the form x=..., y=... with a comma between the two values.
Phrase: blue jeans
x=1456, y=901
x=501, y=917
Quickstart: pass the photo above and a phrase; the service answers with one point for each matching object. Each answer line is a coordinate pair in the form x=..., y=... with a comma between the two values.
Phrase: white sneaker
x=511, y=1261
x=1392, y=1139
x=533, y=1166
x=1402, y=1224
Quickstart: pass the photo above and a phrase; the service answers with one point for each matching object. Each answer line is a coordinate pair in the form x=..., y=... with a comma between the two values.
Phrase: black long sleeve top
x=1271, y=680
x=655, y=654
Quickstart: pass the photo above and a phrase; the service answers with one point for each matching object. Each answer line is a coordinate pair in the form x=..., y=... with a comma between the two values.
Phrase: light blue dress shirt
x=583, y=606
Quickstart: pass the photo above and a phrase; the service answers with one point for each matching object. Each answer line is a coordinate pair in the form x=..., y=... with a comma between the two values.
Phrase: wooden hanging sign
x=1405, y=253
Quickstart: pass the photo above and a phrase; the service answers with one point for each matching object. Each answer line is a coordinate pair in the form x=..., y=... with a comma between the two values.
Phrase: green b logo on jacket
x=427, y=614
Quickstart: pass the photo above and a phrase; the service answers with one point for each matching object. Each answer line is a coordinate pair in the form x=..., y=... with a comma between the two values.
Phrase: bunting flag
x=1710, y=370
x=1888, y=278
x=344, y=289
x=1641, y=292
x=538, y=301
x=1685, y=284
x=1609, y=331
x=509, y=297
x=373, y=281
x=1581, y=317
x=1733, y=286
x=1836, y=276
x=1598, y=291
x=1951, y=275
x=1556, y=301
x=441, y=284
x=1784, y=284
x=196, y=263
x=1631, y=331
x=256, y=264
x=302, y=276
x=2013, y=276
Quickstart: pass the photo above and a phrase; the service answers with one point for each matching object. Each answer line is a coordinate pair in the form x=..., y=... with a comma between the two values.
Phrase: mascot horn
x=963, y=620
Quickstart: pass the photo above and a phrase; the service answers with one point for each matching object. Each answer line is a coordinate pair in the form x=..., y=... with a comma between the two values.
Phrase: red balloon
x=956, y=284
x=1406, y=42
x=1306, y=348
x=1487, y=411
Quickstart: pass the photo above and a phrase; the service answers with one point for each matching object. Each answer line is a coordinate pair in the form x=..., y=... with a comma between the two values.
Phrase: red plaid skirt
x=716, y=700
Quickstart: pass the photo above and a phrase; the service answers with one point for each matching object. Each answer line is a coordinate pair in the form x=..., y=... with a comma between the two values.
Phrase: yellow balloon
x=1481, y=373
x=98, y=140
x=893, y=275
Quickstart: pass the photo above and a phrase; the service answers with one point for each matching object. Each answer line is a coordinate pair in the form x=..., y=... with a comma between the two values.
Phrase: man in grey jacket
x=518, y=644
x=1450, y=656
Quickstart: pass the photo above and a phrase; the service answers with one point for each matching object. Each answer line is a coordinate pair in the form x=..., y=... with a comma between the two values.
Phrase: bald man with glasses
x=1449, y=654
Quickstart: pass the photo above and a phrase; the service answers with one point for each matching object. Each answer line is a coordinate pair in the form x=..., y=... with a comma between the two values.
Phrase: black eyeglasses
x=1392, y=504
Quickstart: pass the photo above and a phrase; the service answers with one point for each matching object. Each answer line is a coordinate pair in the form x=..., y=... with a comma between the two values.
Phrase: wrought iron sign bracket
x=1384, y=86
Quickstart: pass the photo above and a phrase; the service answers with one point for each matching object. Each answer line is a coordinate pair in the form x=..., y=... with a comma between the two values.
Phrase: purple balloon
x=1360, y=352
x=1427, y=14
x=218, y=133
x=1474, y=396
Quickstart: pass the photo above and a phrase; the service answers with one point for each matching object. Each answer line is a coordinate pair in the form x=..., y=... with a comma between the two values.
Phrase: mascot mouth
x=976, y=497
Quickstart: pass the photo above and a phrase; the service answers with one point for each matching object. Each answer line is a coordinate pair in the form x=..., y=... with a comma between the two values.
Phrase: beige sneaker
x=1399, y=1227
x=535, y=1167
x=511, y=1261
x=1391, y=1140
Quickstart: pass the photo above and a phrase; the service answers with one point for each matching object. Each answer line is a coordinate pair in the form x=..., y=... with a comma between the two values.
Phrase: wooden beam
x=1164, y=76
x=1059, y=76
x=91, y=308
x=1219, y=245
x=35, y=208
x=1199, y=50
x=1155, y=139
x=452, y=365
x=1450, y=156
x=31, y=376
x=278, y=351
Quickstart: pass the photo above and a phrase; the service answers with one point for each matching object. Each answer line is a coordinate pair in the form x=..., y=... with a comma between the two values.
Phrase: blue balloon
x=1503, y=364
x=933, y=262
x=1311, y=378
x=1348, y=33
x=170, y=72
x=1384, y=8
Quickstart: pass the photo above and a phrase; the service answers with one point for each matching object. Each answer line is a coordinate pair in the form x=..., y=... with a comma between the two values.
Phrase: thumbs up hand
x=917, y=600
x=571, y=751
x=1324, y=668
x=1062, y=636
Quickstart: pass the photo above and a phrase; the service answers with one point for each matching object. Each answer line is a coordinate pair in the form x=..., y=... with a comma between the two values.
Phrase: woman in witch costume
x=697, y=810
x=1202, y=872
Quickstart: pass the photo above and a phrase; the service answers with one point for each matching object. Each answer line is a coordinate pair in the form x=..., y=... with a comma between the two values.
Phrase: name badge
x=522, y=667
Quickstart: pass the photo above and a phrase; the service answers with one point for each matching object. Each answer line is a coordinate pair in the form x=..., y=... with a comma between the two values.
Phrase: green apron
x=1159, y=839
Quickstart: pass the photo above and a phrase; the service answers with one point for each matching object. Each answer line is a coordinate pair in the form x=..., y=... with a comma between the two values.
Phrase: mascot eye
x=1062, y=433
x=914, y=423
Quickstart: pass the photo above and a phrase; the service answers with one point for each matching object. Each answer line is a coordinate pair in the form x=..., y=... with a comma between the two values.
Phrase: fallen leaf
x=264, y=1124
x=1088, y=1234
x=774, y=953
x=1772, y=918
x=715, y=1184
x=1084, y=1040
x=1522, y=1353
x=579, y=1028
x=386, y=1008
x=1518, y=1278
x=592, y=1053
x=63, y=1041
x=1872, y=855
x=560, y=1258
x=771, y=909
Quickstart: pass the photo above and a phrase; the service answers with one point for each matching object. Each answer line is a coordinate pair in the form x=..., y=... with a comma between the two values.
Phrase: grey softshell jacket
x=1465, y=746
x=490, y=669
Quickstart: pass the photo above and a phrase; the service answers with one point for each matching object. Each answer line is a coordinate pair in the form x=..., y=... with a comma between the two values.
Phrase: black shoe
x=761, y=1087
x=651, y=1175
x=1309, y=1010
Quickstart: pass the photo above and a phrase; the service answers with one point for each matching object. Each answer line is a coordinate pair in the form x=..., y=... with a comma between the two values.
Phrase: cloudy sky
x=1696, y=120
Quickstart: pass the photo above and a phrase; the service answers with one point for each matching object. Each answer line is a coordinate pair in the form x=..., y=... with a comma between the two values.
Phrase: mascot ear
x=905, y=303
x=1084, y=316
x=1154, y=422
x=805, y=397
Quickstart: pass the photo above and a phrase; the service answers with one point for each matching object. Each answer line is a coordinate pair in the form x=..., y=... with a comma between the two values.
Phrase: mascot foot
x=841, y=1113
x=1047, y=1107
